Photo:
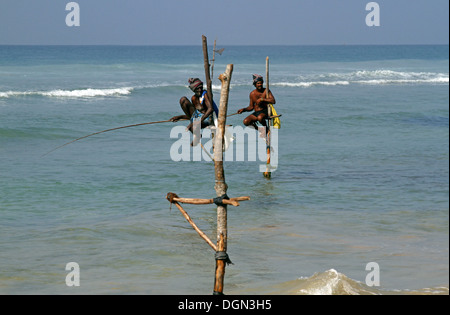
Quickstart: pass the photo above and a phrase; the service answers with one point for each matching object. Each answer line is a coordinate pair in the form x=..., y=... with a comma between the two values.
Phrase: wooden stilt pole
x=207, y=67
x=220, y=184
x=174, y=199
x=267, y=173
x=197, y=201
x=171, y=197
x=220, y=268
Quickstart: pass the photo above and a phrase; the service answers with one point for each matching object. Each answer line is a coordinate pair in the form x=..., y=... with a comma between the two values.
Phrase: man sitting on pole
x=258, y=103
x=200, y=108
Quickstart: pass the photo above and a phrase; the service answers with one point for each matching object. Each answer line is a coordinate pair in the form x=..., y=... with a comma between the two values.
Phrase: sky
x=231, y=22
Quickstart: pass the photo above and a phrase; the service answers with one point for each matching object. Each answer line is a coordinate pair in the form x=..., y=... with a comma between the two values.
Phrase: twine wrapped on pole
x=198, y=201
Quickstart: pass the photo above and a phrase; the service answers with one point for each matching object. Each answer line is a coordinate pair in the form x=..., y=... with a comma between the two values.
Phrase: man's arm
x=250, y=107
x=269, y=100
x=209, y=108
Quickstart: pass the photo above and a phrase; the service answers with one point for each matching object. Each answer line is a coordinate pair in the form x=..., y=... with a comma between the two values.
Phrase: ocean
x=359, y=203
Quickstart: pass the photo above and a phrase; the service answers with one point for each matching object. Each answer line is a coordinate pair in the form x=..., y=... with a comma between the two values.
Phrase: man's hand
x=175, y=118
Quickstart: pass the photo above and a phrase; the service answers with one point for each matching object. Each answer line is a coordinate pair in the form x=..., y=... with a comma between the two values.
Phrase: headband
x=194, y=83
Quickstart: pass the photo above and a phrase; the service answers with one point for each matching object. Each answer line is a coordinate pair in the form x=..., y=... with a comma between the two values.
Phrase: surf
x=76, y=93
x=332, y=282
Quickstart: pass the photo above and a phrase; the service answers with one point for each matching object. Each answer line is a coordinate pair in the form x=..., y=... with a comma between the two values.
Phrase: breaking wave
x=364, y=77
x=389, y=76
x=80, y=93
x=310, y=84
x=367, y=77
x=332, y=282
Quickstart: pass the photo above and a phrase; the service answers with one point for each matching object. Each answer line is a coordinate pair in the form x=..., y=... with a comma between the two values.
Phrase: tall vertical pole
x=267, y=173
x=207, y=67
x=213, y=60
x=220, y=184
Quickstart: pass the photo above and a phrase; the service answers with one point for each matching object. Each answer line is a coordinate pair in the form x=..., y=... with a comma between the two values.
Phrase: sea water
x=362, y=177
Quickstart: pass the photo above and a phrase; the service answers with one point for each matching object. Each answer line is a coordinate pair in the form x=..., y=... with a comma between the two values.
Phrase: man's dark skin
x=258, y=103
x=189, y=107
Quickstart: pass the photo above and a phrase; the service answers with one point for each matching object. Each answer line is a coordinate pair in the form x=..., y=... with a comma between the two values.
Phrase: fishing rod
x=117, y=128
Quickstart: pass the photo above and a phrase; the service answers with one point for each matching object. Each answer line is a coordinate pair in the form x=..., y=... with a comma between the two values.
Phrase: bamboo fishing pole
x=117, y=128
x=112, y=129
x=213, y=60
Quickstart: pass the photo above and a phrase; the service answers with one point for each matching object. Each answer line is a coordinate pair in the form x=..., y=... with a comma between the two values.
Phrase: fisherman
x=200, y=108
x=258, y=103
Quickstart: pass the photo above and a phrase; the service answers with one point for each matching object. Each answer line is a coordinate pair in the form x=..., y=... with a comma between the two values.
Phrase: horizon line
x=243, y=45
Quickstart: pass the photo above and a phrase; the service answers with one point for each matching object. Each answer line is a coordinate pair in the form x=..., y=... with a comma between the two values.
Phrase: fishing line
x=117, y=128
x=112, y=129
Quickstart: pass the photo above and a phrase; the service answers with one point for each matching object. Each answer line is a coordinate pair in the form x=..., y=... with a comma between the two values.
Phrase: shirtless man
x=200, y=108
x=258, y=103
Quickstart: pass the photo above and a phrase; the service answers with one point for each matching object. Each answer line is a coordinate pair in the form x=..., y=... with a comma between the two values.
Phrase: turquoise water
x=363, y=172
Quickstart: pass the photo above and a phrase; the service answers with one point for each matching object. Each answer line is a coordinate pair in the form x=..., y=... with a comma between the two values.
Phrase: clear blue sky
x=232, y=22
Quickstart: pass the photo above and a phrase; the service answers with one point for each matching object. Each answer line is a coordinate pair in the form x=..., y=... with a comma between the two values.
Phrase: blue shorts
x=197, y=116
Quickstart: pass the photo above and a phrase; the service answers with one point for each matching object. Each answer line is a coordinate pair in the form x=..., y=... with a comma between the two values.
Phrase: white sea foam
x=12, y=94
x=332, y=282
x=80, y=93
x=441, y=80
x=365, y=77
x=369, y=77
x=309, y=84
x=399, y=77
x=89, y=92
